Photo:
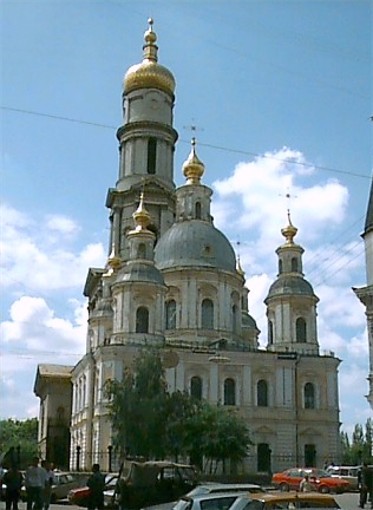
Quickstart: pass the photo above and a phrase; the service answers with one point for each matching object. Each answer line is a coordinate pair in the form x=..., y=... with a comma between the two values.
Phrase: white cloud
x=34, y=326
x=31, y=259
x=35, y=334
x=61, y=225
x=255, y=194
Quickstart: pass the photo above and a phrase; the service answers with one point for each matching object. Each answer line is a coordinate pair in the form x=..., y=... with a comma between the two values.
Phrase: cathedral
x=172, y=280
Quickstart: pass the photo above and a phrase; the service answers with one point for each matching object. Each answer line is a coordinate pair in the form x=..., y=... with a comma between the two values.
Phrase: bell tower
x=146, y=148
x=291, y=302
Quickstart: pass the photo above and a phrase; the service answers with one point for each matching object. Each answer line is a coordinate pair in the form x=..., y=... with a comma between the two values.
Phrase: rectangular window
x=152, y=155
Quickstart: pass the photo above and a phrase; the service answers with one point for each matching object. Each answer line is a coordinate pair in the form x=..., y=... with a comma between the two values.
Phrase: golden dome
x=193, y=168
x=149, y=74
x=289, y=232
x=141, y=216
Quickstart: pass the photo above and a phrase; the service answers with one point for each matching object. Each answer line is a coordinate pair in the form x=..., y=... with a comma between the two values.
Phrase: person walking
x=49, y=481
x=96, y=484
x=365, y=478
x=305, y=485
x=13, y=481
x=35, y=478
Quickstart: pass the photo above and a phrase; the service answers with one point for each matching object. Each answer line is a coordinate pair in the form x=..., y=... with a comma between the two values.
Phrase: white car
x=214, y=501
x=348, y=473
x=213, y=488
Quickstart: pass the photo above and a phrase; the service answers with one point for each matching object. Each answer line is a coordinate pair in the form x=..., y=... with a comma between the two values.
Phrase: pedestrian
x=96, y=484
x=13, y=481
x=365, y=478
x=49, y=481
x=35, y=483
x=305, y=485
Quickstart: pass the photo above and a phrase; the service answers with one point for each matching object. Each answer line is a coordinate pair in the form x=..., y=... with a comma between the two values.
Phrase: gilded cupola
x=141, y=217
x=149, y=74
x=193, y=168
x=289, y=232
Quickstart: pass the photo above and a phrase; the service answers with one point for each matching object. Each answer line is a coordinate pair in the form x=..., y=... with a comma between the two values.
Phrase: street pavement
x=348, y=501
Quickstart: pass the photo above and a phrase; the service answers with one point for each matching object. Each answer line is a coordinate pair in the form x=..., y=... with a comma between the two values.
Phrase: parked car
x=154, y=483
x=281, y=500
x=214, y=501
x=80, y=495
x=62, y=485
x=320, y=479
x=348, y=473
x=213, y=488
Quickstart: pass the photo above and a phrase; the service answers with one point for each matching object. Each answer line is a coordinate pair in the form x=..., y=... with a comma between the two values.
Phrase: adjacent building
x=172, y=280
x=365, y=294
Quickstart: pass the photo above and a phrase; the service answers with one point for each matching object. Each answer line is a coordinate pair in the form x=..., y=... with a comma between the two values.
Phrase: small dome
x=195, y=243
x=140, y=272
x=193, y=168
x=149, y=74
x=290, y=284
x=248, y=321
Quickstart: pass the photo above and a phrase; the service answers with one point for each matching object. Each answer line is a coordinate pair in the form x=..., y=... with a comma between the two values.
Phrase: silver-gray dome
x=140, y=272
x=248, y=321
x=290, y=284
x=194, y=243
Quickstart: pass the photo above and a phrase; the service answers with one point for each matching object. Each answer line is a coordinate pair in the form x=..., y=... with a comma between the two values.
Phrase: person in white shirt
x=35, y=479
x=306, y=485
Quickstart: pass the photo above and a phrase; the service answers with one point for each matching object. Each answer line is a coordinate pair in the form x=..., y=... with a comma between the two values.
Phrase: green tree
x=359, y=449
x=150, y=422
x=22, y=435
x=138, y=407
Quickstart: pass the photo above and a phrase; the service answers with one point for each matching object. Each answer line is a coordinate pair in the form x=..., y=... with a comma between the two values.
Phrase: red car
x=320, y=479
x=81, y=495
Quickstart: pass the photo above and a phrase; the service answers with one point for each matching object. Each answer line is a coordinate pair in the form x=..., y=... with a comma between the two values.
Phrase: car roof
x=292, y=496
x=213, y=495
x=212, y=486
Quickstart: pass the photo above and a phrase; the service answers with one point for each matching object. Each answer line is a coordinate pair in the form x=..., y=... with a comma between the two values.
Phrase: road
x=348, y=501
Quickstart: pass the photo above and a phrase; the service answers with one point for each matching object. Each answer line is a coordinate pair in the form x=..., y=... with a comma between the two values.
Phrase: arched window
x=207, y=314
x=262, y=393
x=142, y=320
x=270, y=332
x=229, y=392
x=294, y=265
x=170, y=314
x=234, y=319
x=141, y=251
x=196, y=387
x=198, y=210
x=301, y=330
x=309, y=396
x=279, y=266
x=152, y=155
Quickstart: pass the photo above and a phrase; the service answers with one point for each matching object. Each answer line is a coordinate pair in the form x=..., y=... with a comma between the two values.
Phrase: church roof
x=195, y=243
x=290, y=284
x=55, y=370
x=140, y=272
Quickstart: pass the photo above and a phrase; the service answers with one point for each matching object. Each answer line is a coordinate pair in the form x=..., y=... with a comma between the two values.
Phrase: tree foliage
x=359, y=449
x=22, y=435
x=150, y=422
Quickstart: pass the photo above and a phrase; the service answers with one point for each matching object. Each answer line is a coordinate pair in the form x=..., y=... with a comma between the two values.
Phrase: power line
x=208, y=145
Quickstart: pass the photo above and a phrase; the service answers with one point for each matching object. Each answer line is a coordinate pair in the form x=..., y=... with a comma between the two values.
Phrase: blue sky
x=281, y=94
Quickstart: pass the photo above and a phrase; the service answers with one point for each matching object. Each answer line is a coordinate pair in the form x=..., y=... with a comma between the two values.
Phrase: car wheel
x=284, y=487
x=53, y=498
x=324, y=489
